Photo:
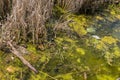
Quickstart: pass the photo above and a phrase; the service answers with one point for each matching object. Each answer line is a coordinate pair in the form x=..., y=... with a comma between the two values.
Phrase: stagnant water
x=108, y=26
x=72, y=59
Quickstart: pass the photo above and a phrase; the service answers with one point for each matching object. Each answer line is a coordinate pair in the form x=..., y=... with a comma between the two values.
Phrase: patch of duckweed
x=109, y=40
x=79, y=24
x=105, y=77
x=116, y=51
x=101, y=46
x=80, y=51
x=67, y=76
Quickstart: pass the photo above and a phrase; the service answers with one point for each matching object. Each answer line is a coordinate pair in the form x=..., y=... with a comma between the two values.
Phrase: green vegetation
x=90, y=50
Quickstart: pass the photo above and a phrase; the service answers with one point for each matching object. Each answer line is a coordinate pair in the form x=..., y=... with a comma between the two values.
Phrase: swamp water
x=95, y=55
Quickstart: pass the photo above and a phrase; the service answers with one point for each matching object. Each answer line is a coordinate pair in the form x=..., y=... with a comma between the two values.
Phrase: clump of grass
x=26, y=21
x=70, y=5
x=84, y=6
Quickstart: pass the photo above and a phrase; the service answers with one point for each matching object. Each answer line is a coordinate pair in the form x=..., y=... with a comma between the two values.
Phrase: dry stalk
x=14, y=51
x=70, y=5
x=27, y=20
x=83, y=5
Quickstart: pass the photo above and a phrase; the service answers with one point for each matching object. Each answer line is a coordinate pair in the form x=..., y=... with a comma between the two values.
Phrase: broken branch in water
x=25, y=62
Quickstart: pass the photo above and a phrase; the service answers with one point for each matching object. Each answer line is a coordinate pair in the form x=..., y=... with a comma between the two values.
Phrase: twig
x=25, y=62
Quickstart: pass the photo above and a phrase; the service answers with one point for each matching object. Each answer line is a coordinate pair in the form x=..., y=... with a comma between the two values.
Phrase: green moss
x=109, y=40
x=31, y=48
x=105, y=77
x=80, y=51
x=79, y=24
x=116, y=51
x=67, y=76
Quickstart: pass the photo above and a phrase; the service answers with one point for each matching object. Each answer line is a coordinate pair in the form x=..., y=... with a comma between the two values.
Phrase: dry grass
x=83, y=5
x=71, y=5
x=26, y=21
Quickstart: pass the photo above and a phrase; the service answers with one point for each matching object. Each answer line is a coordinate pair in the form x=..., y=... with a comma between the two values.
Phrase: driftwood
x=25, y=62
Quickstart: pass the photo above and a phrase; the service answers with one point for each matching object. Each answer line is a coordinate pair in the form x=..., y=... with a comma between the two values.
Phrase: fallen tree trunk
x=25, y=62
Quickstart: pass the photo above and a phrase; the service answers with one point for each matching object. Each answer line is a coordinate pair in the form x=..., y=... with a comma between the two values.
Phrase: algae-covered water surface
x=89, y=51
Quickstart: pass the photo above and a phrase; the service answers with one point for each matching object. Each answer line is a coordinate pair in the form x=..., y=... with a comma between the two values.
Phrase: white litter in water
x=95, y=36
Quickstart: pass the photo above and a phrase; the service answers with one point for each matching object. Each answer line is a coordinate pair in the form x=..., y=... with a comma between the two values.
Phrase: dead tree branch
x=25, y=62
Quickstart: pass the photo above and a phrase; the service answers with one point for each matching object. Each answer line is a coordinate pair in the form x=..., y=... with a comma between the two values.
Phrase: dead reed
x=26, y=21
x=83, y=5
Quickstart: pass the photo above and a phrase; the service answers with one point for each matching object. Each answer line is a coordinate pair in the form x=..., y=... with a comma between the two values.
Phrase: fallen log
x=25, y=62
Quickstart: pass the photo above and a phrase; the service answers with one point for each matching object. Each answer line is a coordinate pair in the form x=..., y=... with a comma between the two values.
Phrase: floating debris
x=96, y=37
